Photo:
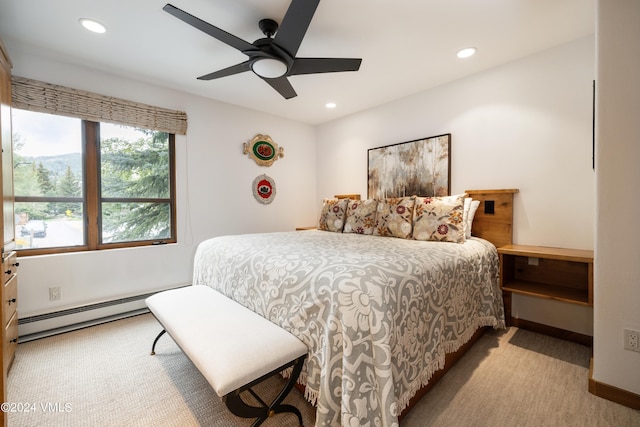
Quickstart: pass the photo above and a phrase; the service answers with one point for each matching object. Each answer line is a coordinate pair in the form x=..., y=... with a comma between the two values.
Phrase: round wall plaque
x=264, y=189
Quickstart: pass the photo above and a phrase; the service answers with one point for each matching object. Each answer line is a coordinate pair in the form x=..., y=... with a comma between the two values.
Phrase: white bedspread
x=378, y=314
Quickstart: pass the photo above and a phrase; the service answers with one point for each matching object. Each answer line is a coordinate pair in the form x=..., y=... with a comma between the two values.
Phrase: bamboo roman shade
x=44, y=97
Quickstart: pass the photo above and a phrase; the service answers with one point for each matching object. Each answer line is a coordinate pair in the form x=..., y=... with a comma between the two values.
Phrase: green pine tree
x=26, y=183
x=44, y=179
x=69, y=186
x=136, y=169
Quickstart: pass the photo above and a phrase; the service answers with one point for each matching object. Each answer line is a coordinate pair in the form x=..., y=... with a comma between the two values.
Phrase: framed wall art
x=421, y=167
x=263, y=150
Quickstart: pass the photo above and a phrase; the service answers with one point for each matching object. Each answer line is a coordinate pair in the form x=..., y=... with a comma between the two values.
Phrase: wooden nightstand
x=545, y=272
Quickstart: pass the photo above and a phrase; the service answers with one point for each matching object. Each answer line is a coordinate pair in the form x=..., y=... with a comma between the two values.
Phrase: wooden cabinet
x=9, y=310
x=9, y=291
x=545, y=272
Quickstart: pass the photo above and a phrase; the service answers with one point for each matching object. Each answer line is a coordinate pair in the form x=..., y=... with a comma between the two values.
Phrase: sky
x=46, y=134
x=51, y=135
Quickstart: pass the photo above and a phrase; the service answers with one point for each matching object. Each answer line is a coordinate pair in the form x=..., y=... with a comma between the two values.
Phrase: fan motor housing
x=268, y=27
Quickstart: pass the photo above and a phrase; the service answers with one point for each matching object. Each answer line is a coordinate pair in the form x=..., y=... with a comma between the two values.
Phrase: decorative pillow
x=472, y=213
x=333, y=214
x=394, y=217
x=439, y=218
x=361, y=216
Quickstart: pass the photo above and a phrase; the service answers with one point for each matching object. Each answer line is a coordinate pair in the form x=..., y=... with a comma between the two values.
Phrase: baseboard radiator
x=44, y=325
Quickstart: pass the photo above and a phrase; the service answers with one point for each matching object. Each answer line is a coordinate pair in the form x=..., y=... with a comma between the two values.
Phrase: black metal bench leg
x=153, y=348
x=276, y=406
x=239, y=407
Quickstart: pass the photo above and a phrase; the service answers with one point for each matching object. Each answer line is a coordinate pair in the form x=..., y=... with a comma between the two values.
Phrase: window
x=84, y=185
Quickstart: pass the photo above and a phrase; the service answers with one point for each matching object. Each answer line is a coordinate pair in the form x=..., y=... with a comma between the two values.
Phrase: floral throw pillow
x=361, y=216
x=394, y=217
x=333, y=215
x=439, y=219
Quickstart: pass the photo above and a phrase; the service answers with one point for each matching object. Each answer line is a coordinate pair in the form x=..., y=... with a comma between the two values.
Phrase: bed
x=379, y=314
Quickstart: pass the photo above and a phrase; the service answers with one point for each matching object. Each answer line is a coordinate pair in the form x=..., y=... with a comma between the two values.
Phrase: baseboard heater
x=57, y=322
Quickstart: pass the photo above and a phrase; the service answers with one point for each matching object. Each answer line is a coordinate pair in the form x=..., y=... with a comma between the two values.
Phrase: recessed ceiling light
x=330, y=105
x=466, y=52
x=93, y=25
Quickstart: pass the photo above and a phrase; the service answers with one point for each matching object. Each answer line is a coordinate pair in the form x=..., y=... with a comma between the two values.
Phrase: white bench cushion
x=229, y=344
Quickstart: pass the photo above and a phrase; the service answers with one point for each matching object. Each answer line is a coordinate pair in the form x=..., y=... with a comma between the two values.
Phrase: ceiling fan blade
x=294, y=25
x=282, y=85
x=229, y=71
x=323, y=65
x=215, y=32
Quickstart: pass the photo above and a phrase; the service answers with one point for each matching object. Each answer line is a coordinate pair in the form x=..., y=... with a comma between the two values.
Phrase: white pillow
x=465, y=212
x=473, y=207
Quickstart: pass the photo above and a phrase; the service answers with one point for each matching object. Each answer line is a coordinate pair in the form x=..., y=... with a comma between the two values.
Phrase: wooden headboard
x=347, y=196
x=494, y=218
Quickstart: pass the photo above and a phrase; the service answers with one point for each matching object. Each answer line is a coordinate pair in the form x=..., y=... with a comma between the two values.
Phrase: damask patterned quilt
x=378, y=314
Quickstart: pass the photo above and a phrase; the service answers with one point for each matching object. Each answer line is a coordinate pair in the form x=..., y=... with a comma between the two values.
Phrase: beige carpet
x=104, y=376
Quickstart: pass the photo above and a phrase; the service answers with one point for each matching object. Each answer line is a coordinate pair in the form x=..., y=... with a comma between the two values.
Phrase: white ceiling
x=406, y=46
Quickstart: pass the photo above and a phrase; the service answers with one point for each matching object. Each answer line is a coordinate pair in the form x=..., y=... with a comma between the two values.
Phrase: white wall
x=525, y=125
x=617, y=267
x=214, y=181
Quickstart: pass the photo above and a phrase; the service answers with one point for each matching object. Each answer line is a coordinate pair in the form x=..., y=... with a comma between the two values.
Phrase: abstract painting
x=415, y=168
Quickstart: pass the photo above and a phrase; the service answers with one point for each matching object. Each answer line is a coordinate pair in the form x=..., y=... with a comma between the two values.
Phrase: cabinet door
x=7, y=159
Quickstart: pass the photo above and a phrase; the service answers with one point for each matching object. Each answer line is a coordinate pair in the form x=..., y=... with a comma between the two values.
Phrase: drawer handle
x=15, y=264
x=15, y=340
x=7, y=272
x=12, y=300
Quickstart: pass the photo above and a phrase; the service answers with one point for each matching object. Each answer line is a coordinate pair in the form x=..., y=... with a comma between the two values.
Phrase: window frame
x=92, y=198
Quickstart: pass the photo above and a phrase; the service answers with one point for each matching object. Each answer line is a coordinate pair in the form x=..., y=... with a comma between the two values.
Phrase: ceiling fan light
x=93, y=25
x=269, y=68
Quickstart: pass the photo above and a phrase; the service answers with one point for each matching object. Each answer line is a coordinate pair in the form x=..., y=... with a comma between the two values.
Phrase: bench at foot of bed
x=233, y=347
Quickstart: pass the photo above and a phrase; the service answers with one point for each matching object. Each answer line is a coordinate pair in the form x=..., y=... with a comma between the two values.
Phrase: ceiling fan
x=273, y=58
